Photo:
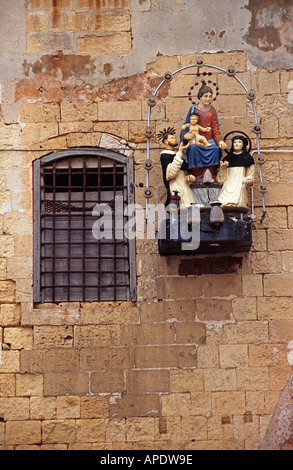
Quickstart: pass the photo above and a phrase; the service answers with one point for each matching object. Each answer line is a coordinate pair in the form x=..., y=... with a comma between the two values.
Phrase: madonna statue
x=201, y=158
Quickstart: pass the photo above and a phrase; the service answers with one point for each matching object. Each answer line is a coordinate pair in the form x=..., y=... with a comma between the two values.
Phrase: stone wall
x=199, y=361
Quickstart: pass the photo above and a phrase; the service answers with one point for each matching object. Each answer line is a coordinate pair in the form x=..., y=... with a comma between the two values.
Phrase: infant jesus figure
x=193, y=135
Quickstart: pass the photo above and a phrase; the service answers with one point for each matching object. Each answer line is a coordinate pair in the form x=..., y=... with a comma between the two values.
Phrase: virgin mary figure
x=203, y=158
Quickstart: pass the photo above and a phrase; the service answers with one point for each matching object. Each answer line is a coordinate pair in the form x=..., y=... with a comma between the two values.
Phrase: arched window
x=81, y=252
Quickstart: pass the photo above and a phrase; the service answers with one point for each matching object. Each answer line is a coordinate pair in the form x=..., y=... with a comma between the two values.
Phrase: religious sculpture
x=213, y=188
x=196, y=171
x=236, y=173
x=203, y=158
x=174, y=168
x=193, y=135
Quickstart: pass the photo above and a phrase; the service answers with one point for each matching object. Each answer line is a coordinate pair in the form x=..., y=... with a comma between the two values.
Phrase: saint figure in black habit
x=174, y=168
x=236, y=173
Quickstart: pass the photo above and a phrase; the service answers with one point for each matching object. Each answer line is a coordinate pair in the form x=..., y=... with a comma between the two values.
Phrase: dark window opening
x=105, y=178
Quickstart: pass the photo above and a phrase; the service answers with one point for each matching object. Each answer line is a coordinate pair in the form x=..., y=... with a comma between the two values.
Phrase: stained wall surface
x=202, y=358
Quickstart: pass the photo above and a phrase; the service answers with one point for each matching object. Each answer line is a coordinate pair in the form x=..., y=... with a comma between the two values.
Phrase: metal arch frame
x=255, y=120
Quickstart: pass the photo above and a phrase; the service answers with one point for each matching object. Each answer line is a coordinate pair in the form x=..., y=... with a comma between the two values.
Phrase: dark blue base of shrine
x=232, y=236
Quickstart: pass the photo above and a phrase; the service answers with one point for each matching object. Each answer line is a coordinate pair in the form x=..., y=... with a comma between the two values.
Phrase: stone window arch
x=81, y=251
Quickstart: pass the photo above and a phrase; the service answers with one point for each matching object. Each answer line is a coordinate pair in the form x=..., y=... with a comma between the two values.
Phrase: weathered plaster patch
x=290, y=96
x=6, y=208
x=136, y=87
x=108, y=68
x=271, y=25
x=290, y=353
x=46, y=88
x=110, y=141
x=143, y=5
x=61, y=65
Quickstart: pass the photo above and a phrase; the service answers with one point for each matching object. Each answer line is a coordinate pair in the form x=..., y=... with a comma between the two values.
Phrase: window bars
x=73, y=262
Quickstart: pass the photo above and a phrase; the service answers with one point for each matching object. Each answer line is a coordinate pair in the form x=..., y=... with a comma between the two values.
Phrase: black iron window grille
x=73, y=262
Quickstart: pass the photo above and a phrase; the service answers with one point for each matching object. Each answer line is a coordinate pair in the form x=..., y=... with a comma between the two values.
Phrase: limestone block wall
x=199, y=360
x=103, y=26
